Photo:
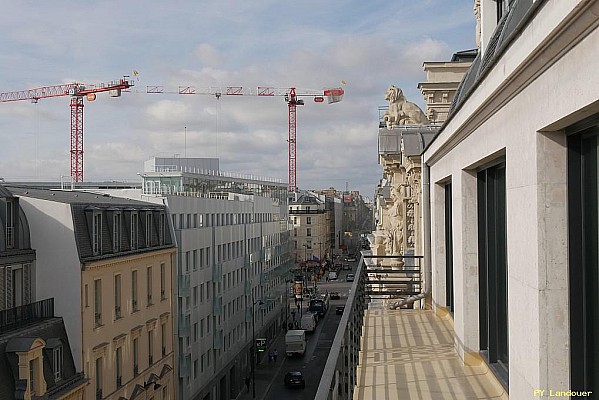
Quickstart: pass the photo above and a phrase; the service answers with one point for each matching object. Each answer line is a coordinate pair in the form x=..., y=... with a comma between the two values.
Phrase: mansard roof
x=85, y=204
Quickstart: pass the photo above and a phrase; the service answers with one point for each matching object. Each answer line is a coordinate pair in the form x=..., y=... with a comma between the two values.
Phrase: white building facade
x=513, y=198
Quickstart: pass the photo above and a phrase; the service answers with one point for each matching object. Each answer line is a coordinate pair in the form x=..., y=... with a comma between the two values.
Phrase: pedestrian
x=270, y=356
x=247, y=383
x=274, y=355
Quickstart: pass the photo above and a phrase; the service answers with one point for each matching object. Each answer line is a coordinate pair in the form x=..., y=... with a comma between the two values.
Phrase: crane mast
x=77, y=91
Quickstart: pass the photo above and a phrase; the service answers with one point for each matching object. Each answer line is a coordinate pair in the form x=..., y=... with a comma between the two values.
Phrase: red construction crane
x=291, y=95
x=77, y=91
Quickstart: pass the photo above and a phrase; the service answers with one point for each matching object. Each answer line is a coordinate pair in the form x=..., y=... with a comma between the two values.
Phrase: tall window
x=162, y=281
x=583, y=257
x=151, y=347
x=308, y=231
x=163, y=334
x=97, y=233
x=134, y=225
x=32, y=376
x=135, y=356
x=149, y=285
x=449, y=292
x=57, y=360
x=117, y=296
x=161, y=228
x=10, y=224
x=148, y=234
x=98, y=302
x=99, y=378
x=308, y=220
x=134, y=304
x=116, y=232
x=119, y=367
x=492, y=257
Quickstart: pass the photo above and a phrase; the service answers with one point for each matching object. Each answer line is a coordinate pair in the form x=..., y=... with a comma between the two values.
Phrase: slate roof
x=507, y=30
x=85, y=204
x=50, y=330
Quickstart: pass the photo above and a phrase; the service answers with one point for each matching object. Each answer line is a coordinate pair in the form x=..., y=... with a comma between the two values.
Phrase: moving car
x=350, y=277
x=346, y=267
x=351, y=258
x=339, y=310
x=334, y=296
x=295, y=379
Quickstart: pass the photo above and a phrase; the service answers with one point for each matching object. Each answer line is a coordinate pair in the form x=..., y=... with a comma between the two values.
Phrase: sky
x=361, y=46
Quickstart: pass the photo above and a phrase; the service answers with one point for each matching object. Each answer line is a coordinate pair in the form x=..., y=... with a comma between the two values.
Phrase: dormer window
x=10, y=224
x=134, y=228
x=97, y=233
x=116, y=232
x=161, y=228
x=148, y=233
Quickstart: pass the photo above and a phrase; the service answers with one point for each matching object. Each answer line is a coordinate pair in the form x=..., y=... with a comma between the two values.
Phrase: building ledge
x=410, y=354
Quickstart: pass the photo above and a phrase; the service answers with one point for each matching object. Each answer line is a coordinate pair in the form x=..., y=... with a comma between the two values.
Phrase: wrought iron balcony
x=17, y=317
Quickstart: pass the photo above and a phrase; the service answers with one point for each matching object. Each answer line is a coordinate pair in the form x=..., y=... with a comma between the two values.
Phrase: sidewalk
x=266, y=372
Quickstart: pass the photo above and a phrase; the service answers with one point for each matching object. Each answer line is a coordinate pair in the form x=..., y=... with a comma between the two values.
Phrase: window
x=118, y=360
x=99, y=366
x=163, y=334
x=492, y=264
x=32, y=376
x=135, y=356
x=308, y=220
x=151, y=347
x=449, y=293
x=117, y=296
x=195, y=296
x=134, y=305
x=149, y=285
x=308, y=232
x=134, y=225
x=97, y=233
x=116, y=232
x=583, y=257
x=10, y=224
x=161, y=228
x=162, y=281
x=148, y=233
x=98, y=302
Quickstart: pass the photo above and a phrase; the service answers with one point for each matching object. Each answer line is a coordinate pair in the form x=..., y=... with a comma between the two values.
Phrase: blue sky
x=309, y=45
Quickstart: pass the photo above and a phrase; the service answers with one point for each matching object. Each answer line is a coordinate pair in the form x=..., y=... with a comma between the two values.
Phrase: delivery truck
x=295, y=342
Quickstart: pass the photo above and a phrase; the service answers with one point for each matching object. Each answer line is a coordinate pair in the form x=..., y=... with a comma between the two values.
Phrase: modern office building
x=107, y=262
x=233, y=258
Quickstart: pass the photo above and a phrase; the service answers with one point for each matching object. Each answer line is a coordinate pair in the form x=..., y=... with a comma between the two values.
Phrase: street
x=311, y=365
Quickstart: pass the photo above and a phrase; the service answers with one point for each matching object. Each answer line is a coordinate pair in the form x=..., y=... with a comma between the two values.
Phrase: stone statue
x=394, y=241
x=401, y=111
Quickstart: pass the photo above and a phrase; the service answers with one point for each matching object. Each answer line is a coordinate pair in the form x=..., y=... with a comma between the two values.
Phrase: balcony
x=393, y=353
x=217, y=306
x=17, y=317
x=184, y=325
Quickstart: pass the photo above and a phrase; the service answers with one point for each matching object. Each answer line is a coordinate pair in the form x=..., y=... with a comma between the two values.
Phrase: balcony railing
x=389, y=277
x=17, y=317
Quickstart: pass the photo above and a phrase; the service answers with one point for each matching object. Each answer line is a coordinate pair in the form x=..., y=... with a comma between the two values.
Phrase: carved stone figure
x=401, y=111
x=394, y=241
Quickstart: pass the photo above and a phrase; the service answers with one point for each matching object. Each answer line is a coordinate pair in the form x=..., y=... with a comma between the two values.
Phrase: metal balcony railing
x=17, y=317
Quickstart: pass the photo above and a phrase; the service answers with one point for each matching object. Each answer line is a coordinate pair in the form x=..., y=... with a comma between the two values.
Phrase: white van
x=308, y=322
x=332, y=275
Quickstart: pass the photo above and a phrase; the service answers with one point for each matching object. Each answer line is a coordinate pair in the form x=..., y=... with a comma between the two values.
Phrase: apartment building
x=513, y=198
x=232, y=262
x=35, y=353
x=108, y=264
x=310, y=227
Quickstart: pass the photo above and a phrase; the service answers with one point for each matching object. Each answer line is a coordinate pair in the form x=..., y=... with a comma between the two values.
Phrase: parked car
x=339, y=310
x=346, y=267
x=350, y=277
x=334, y=295
x=351, y=258
x=295, y=379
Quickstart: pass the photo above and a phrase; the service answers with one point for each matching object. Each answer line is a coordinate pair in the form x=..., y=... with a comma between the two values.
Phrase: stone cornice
x=129, y=259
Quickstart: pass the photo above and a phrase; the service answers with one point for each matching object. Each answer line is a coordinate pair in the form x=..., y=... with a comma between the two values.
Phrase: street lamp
x=259, y=302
